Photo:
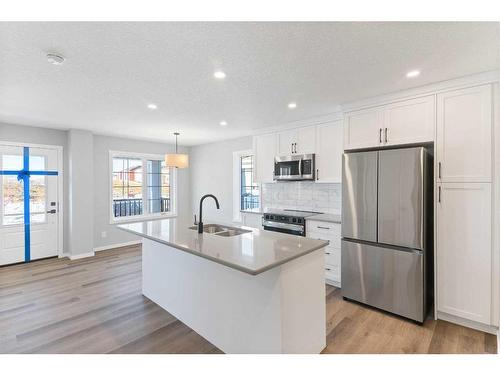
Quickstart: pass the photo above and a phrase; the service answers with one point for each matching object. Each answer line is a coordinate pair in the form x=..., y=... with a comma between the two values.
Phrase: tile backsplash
x=302, y=195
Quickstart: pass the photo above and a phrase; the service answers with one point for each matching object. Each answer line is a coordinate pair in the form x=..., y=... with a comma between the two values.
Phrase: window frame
x=237, y=155
x=144, y=188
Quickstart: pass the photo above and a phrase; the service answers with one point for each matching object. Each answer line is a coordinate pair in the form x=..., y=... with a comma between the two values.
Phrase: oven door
x=274, y=226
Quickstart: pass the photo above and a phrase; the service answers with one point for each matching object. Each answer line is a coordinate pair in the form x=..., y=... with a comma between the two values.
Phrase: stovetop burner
x=291, y=212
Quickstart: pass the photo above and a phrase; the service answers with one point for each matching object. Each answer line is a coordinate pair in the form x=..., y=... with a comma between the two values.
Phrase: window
x=249, y=191
x=141, y=187
x=158, y=186
x=13, y=191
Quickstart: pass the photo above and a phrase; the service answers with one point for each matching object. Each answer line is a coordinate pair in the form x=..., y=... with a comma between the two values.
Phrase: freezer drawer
x=359, y=196
x=383, y=277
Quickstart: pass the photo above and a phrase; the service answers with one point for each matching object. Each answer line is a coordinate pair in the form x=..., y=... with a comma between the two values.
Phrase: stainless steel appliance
x=287, y=221
x=294, y=167
x=387, y=229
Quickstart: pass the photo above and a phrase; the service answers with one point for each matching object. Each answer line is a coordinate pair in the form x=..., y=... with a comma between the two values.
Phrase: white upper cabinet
x=329, y=152
x=404, y=122
x=286, y=141
x=306, y=140
x=297, y=141
x=409, y=121
x=264, y=147
x=464, y=135
x=464, y=251
x=363, y=129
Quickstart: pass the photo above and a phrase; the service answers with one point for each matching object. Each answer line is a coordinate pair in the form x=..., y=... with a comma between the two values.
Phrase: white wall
x=81, y=180
x=212, y=173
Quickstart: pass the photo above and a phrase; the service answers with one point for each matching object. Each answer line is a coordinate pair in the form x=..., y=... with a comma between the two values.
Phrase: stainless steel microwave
x=294, y=167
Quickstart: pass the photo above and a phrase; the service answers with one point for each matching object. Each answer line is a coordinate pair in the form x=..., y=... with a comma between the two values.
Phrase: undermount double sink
x=221, y=230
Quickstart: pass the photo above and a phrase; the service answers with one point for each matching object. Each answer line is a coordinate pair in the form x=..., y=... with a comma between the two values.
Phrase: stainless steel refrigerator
x=387, y=229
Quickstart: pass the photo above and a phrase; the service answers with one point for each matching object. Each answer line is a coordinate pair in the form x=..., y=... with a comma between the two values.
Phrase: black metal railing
x=249, y=202
x=133, y=207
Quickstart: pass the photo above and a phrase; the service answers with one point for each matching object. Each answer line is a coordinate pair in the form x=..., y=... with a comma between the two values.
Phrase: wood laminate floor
x=94, y=305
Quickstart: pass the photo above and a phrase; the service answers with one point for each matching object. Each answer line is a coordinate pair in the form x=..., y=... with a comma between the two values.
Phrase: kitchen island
x=253, y=292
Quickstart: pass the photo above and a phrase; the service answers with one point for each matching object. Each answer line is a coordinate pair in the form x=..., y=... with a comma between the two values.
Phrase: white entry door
x=44, y=210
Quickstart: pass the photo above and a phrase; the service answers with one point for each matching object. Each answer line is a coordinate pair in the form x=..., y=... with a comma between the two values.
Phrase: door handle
x=380, y=135
x=52, y=211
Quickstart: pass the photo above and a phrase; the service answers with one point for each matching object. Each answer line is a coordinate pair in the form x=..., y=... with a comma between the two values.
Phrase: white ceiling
x=113, y=70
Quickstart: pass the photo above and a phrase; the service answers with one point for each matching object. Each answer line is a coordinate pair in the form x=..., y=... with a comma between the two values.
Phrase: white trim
x=314, y=120
x=336, y=284
x=237, y=212
x=144, y=158
x=433, y=88
x=60, y=186
x=467, y=323
x=80, y=256
x=117, y=245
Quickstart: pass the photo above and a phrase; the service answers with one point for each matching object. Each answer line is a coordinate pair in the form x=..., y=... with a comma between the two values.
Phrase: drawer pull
x=322, y=227
x=327, y=253
x=328, y=269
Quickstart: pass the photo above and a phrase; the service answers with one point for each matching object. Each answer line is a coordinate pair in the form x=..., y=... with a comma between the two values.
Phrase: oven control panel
x=284, y=219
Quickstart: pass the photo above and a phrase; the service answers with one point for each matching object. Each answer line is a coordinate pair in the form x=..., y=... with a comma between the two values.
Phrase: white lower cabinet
x=329, y=232
x=251, y=219
x=464, y=251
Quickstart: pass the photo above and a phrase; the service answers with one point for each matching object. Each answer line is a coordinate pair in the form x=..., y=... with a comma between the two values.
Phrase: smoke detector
x=55, y=58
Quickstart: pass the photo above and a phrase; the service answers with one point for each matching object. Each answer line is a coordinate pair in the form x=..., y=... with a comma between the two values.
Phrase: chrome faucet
x=200, y=223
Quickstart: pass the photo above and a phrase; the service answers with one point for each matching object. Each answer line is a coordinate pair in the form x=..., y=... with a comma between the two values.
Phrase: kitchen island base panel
x=278, y=311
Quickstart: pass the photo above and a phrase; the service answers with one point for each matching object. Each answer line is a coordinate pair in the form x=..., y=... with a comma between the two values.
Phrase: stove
x=287, y=221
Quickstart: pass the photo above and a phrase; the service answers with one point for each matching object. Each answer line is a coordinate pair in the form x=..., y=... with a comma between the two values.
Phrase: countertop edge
x=221, y=262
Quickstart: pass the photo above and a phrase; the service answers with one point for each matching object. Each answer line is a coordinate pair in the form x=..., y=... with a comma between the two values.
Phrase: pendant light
x=177, y=160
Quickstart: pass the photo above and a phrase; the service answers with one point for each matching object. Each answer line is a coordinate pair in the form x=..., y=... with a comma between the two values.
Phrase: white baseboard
x=468, y=323
x=80, y=256
x=114, y=246
x=332, y=283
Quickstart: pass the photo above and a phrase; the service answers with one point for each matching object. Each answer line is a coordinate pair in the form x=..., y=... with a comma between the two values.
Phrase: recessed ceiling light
x=413, y=74
x=219, y=74
x=152, y=106
x=55, y=58
x=292, y=105
x=223, y=123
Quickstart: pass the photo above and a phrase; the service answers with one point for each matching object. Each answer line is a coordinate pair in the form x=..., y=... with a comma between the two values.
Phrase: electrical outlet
x=104, y=234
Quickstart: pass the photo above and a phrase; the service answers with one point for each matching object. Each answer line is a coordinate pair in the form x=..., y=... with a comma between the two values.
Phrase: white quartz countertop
x=330, y=218
x=253, y=252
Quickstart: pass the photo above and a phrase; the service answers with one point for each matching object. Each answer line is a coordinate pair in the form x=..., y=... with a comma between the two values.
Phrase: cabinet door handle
x=439, y=170
x=380, y=135
x=327, y=253
x=439, y=194
x=322, y=227
x=328, y=269
x=317, y=174
x=295, y=147
x=385, y=135
x=291, y=148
